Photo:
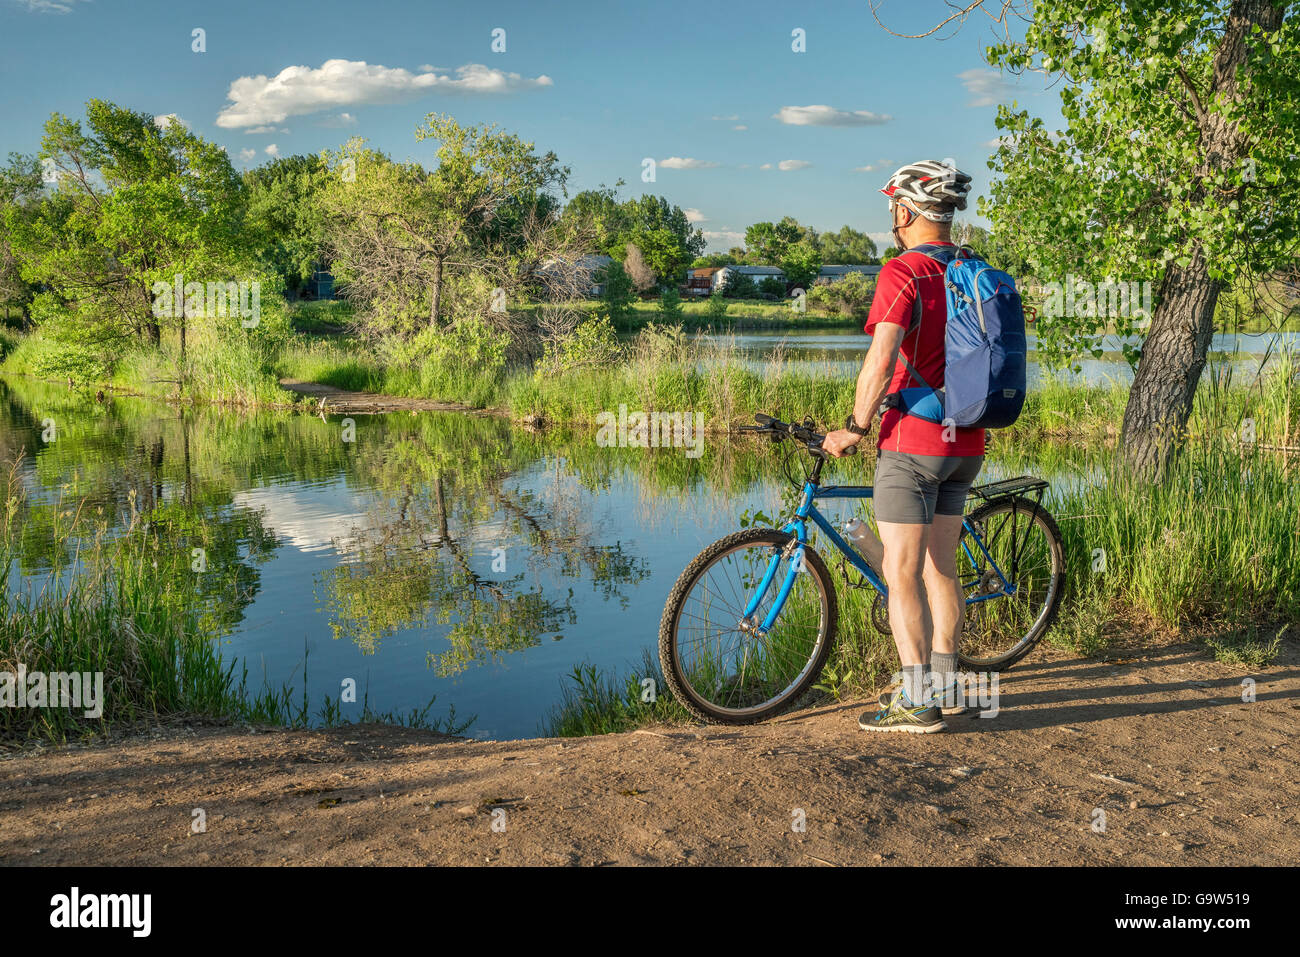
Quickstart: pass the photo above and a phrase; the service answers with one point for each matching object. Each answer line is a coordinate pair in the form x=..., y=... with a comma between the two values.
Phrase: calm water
x=840, y=352
x=436, y=554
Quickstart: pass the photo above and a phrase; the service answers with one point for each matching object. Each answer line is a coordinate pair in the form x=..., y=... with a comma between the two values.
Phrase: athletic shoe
x=949, y=711
x=951, y=699
x=901, y=715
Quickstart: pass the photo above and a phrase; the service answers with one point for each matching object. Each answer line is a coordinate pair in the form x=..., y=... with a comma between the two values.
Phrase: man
x=924, y=469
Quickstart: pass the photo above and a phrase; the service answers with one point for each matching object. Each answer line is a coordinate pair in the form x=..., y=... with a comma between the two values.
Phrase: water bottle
x=867, y=544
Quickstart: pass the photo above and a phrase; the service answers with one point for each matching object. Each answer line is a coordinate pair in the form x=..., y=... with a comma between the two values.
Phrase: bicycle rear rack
x=1020, y=485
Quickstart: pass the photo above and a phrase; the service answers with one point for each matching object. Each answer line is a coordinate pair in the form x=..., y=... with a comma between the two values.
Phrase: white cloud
x=822, y=115
x=864, y=169
x=50, y=6
x=740, y=126
x=986, y=86
x=297, y=90
x=268, y=128
x=272, y=150
x=728, y=119
x=246, y=154
x=685, y=162
x=167, y=119
x=724, y=236
x=882, y=240
x=786, y=166
x=693, y=215
x=766, y=166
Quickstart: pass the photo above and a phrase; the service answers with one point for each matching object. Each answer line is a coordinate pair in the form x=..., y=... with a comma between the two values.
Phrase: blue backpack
x=984, y=347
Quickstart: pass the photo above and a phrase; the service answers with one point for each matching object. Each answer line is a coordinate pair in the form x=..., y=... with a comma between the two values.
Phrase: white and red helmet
x=930, y=182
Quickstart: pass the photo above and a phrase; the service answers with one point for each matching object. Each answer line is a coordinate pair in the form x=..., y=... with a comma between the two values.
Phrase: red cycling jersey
x=901, y=280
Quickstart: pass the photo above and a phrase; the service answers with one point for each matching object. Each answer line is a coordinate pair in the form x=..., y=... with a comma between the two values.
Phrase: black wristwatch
x=852, y=425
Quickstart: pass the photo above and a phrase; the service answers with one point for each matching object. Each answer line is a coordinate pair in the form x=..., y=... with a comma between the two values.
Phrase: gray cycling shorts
x=912, y=489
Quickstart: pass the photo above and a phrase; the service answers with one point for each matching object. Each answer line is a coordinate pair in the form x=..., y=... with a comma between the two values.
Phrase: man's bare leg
x=944, y=596
x=909, y=610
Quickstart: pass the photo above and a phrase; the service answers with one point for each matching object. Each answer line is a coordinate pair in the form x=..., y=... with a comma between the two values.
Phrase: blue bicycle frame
x=798, y=527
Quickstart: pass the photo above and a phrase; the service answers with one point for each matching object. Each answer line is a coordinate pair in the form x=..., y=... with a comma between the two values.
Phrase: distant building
x=589, y=272
x=321, y=285
x=699, y=282
x=757, y=273
x=829, y=274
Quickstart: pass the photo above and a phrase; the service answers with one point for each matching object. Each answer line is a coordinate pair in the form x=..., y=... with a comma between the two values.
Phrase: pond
x=840, y=352
x=425, y=555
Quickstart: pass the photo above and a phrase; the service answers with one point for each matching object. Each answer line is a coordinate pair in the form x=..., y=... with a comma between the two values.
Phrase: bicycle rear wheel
x=1005, y=619
x=717, y=663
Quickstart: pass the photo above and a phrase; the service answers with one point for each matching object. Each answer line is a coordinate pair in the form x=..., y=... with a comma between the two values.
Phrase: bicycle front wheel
x=1013, y=575
x=718, y=661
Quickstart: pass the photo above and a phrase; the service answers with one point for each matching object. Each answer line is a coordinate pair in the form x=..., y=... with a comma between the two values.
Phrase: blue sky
x=713, y=92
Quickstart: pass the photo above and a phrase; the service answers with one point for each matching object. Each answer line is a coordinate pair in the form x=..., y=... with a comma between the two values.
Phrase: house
x=588, y=272
x=699, y=282
x=757, y=273
x=829, y=274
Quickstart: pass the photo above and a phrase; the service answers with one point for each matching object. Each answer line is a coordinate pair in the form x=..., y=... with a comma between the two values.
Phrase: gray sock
x=943, y=665
x=914, y=682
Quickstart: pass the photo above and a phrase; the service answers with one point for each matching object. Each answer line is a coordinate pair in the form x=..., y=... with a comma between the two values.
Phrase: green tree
x=713, y=259
x=670, y=306
x=848, y=247
x=740, y=286
x=135, y=202
x=766, y=244
x=20, y=187
x=484, y=222
x=659, y=229
x=716, y=307
x=1179, y=164
x=617, y=294
x=801, y=263
x=284, y=215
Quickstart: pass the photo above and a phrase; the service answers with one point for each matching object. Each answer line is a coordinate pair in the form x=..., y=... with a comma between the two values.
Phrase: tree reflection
x=425, y=555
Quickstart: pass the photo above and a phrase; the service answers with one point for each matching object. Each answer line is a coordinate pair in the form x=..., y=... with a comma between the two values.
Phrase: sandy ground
x=1158, y=741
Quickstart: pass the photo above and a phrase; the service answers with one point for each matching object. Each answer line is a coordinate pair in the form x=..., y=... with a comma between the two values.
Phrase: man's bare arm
x=877, y=370
x=873, y=383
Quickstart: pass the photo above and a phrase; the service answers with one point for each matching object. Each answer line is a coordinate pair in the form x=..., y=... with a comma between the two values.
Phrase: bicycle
x=784, y=619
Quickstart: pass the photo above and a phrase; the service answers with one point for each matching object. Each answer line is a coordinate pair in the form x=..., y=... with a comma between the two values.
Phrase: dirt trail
x=344, y=402
x=1159, y=740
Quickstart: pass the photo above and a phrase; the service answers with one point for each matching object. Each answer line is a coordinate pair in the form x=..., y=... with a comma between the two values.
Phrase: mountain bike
x=749, y=624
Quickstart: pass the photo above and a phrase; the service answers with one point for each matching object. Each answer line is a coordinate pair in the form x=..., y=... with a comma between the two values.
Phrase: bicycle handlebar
x=809, y=437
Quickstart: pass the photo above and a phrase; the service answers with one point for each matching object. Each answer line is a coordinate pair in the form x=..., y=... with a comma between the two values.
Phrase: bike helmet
x=930, y=183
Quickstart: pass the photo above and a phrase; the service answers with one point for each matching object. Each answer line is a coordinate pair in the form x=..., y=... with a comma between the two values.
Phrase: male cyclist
x=924, y=469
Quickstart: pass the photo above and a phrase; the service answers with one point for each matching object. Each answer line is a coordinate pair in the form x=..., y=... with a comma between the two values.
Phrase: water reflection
x=436, y=554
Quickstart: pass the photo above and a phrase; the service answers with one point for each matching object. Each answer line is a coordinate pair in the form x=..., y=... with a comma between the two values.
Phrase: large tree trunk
x=1173, y=357
x=1174, y=352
